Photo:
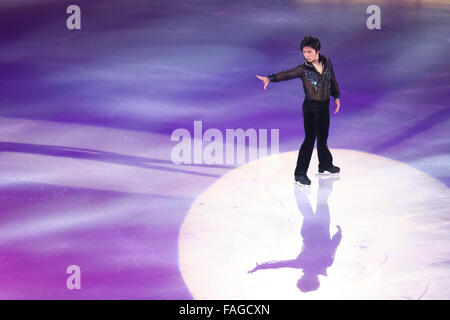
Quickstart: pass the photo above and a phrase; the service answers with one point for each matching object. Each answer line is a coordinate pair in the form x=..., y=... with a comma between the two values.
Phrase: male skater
x=319, y=83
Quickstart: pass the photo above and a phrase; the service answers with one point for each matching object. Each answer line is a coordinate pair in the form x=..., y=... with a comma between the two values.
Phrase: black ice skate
x=331, y=169
x=302, y=179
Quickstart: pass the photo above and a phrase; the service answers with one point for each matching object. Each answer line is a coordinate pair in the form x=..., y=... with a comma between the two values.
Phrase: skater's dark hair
x=310, y=41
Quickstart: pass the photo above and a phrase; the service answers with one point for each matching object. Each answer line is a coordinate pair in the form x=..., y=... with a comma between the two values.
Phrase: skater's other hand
x=265, y=80
x=338, y=104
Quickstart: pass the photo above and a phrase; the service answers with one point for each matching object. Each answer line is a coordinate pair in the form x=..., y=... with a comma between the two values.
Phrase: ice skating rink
x=87, y=178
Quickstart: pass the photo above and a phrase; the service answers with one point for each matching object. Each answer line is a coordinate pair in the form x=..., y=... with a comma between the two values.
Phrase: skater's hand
x=338, y=103
x=265, y=80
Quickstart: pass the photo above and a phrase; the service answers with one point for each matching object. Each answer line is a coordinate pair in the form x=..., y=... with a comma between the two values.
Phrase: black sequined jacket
x=316, y=86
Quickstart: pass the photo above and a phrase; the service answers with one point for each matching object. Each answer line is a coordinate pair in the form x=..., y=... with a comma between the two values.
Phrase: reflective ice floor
x=87, y=178
x=358, y=234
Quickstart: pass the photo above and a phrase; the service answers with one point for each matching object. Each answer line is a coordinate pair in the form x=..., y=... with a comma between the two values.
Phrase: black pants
x=316, y=120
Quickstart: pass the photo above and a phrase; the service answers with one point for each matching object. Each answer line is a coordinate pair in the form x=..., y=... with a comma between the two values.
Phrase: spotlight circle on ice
x=251, y=233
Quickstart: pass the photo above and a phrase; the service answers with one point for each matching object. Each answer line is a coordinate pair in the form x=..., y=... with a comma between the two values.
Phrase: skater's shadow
x=318, y=250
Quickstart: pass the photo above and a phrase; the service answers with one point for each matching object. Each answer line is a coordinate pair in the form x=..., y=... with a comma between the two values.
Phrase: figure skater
x=319, y=82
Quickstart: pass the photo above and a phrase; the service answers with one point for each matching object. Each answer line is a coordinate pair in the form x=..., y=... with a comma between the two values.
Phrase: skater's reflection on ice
x=318, y=249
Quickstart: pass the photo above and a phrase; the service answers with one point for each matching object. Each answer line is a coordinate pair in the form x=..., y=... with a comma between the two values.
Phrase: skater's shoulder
x=324, y=58
x=298, y=68
x=327, y=60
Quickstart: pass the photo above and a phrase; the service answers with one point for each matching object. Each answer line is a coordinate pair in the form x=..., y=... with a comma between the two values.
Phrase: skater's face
x=310, y=54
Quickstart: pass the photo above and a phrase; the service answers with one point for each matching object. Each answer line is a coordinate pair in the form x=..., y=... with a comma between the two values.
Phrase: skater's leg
x=306, y=149
x=324, y=154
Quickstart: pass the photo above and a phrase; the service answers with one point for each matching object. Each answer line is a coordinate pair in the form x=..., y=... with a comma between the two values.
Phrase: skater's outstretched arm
x=286, y=75
x=281, y=76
